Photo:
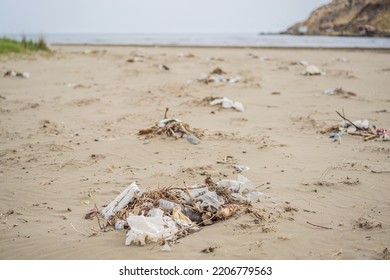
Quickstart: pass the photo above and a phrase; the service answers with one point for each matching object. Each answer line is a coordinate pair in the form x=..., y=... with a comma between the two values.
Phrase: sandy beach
x=69, y=141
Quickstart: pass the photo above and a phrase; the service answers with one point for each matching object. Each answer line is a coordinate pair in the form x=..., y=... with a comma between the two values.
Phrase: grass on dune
x=24, y=46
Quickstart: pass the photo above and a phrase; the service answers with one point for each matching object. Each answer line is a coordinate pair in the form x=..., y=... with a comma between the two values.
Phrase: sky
x=152, y=16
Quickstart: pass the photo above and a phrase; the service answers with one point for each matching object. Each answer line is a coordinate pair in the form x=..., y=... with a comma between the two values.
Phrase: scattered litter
x=15, y=74
x=360, y=128
x=240, y=167
x=173, y=128
x=313, y=70
x=227, y=103
x=216, y=76
x=340, y=59
x=209, y=249
x=137, y=56
x=339, y=92
x=186, y=55
x=166, y=214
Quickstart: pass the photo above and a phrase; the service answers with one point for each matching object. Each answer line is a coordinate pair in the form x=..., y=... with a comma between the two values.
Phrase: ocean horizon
x=204, y=40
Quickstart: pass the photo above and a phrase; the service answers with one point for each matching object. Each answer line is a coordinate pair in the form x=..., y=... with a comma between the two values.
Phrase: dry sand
x=69, y=141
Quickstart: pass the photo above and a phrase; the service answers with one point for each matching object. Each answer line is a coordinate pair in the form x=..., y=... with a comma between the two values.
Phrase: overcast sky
x=152, y=16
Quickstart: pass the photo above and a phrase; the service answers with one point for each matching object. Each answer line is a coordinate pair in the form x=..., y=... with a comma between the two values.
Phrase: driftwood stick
x=166, y=112
x=318, y=225
x=378, y=172
x=344, y=118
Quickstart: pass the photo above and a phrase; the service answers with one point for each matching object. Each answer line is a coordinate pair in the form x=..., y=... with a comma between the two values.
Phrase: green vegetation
x=23, y=46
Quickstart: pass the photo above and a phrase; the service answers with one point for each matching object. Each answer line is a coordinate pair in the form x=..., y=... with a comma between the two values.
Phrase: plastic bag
x=144, y=229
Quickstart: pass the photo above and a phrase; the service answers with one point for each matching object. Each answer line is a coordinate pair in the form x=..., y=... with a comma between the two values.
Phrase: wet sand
x=69, y=141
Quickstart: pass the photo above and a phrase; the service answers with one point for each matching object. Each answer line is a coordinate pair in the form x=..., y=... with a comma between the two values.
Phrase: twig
x=358, y=128
x=378, y=172
x=318, y=225
x=78, y=230
x=166, y=112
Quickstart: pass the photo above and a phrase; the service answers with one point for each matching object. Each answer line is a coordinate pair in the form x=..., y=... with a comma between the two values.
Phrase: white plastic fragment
x=227, y=103
x=166, y=248
x=156, y=212
x=121, y=200
x=330, y=91
x=234, y=80
x=192, y=139
x=312, y=70
x=362, y=124
x=234, y=186
x=238, y=106
x=240, y=167
x=149, y=229
x=120, y=224
x=164, y=122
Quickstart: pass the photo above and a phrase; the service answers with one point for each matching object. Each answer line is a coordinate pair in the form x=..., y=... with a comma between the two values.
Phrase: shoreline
x=385, y=50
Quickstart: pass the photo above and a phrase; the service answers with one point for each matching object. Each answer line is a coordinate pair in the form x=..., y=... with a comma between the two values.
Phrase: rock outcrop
x=347, y=18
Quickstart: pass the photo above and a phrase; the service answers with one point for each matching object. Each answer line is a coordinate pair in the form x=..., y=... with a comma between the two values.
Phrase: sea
x=217, y=40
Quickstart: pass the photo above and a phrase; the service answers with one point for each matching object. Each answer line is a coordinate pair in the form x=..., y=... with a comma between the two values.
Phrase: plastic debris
x=192, y=139
x=15, y=74
x=144, y=229
x=360, y=128
x=312, y=70
x=121, y=200
x=120, y=225
x=216, y=76
x=173, y=128
x=166, y=214
x=339, y=92
x=234, y=186
x=227, y=103
x=240, y=167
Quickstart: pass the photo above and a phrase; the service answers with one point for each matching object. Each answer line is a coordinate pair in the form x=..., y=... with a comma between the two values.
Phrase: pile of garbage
x=15, y=74
x=360, y=128
x=173, y=128
x=224, y=103
x=216, y=76
x=167, y=214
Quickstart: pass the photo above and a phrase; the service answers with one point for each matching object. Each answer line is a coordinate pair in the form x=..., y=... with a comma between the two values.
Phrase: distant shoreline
x=384, y=50
x=251, y=40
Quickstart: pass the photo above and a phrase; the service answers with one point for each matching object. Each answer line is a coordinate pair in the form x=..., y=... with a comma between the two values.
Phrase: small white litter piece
x=227, y=103
x=240, y=167
x=313, y=70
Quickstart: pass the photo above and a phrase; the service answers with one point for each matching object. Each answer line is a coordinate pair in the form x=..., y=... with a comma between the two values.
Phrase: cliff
x=348, y=18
